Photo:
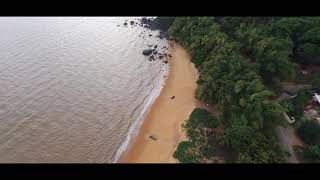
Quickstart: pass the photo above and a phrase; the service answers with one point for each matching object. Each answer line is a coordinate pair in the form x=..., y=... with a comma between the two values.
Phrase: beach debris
x=153, y=137
x=173, y=97
x=147, y=52
x=150, y=34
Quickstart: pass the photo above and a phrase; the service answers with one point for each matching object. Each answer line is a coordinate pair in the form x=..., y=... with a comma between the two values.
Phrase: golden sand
x=166, y=115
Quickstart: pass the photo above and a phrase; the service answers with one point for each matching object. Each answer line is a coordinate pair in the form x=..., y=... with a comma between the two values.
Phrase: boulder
x=147, y=52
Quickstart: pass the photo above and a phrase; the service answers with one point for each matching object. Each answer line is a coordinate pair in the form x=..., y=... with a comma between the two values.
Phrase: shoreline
x=165, y=116
x=135, y=127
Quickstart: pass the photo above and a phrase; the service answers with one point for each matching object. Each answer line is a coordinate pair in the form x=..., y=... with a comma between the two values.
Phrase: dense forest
x=242, y=62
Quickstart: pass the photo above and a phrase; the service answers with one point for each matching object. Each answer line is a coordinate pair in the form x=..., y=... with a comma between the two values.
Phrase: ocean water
x=73, y=89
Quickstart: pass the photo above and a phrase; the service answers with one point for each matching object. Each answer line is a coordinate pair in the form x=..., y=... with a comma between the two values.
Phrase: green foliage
x=316, y=82
x=288, y=106
x=238, y=136
x=304, y=33
x=198, y=120
x=308, y=53
x=309, y=131
x=312, y=36
x=208, y=150
x=312, y=153
x=300, y=102
x=262, y=149
x=203, y=118
x=240, y=61
x=185, y=152
x=197, y=147
x=272, y=57
x=295, y=106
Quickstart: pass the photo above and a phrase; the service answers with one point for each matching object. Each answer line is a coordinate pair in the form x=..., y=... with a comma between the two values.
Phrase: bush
x=203, y=117
x=312, y=153
x=288, y=106
x=185, y=153
x=309, y=54
x=300, y=102
x=309, y=131
x=208, y=150
x=192, y=151
x=198, y=120
x=316, y=82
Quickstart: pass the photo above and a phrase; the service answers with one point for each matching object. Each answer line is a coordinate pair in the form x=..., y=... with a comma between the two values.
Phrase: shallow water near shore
x=71, y=87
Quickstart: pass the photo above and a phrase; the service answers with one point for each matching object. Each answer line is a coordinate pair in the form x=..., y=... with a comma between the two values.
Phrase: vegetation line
x=242, y=62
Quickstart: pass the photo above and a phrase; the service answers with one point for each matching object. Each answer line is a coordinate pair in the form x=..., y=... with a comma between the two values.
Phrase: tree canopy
x=241, y=60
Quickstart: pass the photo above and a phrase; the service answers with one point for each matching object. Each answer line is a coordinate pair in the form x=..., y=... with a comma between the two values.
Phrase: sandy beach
x=166, y=115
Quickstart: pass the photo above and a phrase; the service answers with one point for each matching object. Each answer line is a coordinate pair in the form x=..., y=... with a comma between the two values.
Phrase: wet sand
x=166, y=115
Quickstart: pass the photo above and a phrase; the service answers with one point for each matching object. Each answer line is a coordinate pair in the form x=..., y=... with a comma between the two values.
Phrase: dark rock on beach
x=155, y=46
x=131, y=22
x=154, y=52
x=125, y=23
x=151, y=24
x=147, y=52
